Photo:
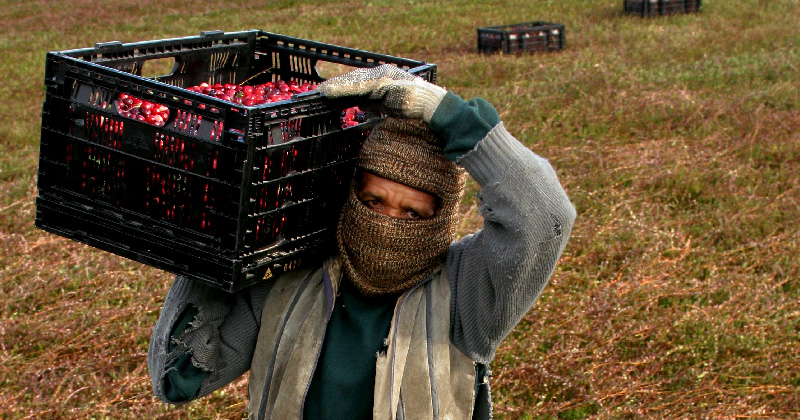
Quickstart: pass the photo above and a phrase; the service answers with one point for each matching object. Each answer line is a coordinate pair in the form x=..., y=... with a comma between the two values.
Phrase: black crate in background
x=528, y=37
x=224, y=193
x=661, y=7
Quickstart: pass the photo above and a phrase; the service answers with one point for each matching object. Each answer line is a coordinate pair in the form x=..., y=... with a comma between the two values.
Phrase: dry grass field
x=676, y=137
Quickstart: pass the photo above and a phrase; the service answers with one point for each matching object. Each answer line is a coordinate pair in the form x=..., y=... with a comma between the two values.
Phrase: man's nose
x=393, y=212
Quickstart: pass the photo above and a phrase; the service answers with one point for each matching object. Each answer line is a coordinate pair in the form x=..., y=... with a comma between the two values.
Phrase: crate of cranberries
x=225, y=165
x=661, y=7
x=517, y=38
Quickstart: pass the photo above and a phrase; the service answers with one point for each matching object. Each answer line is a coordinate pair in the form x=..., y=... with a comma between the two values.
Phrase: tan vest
x=421, y=376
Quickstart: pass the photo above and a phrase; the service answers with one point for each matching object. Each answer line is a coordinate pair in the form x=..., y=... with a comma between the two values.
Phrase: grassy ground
x=677, y=138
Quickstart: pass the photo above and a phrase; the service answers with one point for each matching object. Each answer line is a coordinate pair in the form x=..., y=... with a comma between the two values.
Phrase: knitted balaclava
x=383, y=255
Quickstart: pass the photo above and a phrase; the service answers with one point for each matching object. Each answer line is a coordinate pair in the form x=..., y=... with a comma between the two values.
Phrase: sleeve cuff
x=182, y=381
x=462, y=124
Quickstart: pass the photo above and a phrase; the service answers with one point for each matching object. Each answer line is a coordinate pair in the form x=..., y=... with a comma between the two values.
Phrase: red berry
x=141, y=110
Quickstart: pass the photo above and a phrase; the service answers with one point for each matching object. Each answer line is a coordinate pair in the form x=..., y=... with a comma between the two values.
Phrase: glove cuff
x=426, y=98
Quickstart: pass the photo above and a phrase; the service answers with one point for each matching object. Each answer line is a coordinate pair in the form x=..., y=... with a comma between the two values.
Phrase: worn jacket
x=422, y=373
x=492, y=279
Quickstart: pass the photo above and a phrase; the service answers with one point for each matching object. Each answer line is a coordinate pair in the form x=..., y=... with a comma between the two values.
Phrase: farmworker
x=403, y=322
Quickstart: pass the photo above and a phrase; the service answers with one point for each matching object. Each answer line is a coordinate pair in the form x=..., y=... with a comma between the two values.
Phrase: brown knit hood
x=384, y=255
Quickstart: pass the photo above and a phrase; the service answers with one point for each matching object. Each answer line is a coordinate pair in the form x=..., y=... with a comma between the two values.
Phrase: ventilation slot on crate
x=274, y=163
x=174, y=151
x=95, y=172
x=168, y=195
x=93, y=96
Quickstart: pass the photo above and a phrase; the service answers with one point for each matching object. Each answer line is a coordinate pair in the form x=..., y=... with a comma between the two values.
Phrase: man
x=403, y=322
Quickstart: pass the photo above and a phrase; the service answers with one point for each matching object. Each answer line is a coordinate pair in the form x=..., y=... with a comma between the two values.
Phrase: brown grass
x=677, y=138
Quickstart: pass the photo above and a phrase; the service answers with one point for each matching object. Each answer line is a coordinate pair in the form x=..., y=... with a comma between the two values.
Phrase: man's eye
x=373, y=204
x=413, y=215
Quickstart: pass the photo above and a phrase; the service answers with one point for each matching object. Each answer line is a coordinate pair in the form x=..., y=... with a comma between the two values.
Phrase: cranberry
x=352, y=116
x=249, y=95
x=141, y=110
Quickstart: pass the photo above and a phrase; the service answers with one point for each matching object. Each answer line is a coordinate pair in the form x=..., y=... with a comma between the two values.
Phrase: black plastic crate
x=661, y=7
x=528, y=37
x=224, y=193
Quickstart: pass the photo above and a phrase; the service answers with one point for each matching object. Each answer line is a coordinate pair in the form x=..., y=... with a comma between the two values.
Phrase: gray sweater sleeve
x=220, y=339
x=498, y=273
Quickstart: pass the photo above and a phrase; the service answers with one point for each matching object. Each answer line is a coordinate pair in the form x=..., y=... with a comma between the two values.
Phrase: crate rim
x=505, y=28
x=649, y=13
x=101, y=47
x=79, y=58
x=206, y=36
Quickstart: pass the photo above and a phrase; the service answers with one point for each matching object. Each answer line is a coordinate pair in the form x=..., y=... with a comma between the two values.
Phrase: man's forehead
x=367, y=177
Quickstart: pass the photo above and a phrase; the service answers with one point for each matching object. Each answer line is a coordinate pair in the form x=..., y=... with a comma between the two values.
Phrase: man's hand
x=401, y=93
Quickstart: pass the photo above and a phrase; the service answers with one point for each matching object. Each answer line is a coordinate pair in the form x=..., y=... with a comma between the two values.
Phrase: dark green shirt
x=344, y=379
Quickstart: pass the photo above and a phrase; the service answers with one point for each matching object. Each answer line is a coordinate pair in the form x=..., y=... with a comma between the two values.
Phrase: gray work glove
x=401, y=93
